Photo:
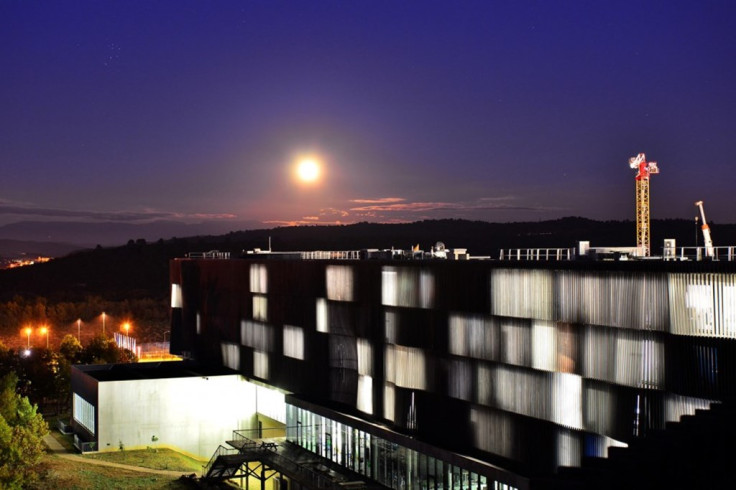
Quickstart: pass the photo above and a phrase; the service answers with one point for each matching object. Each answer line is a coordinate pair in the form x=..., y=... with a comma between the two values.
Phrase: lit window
x=293, y=342
x=176, y=298
x=365, y=357
x=260, y=364
x=365, y=394
x=231, y=355
x=391, y=324
x=322, y=318
x=567, y=400
x=699, y=300
x=388, y=402
x=339, y=283
x=258, y=279
x=410, y=366
x=544, y=346
x=84, y=413
x=257, y=335
x=407, y=287
x=260, y=308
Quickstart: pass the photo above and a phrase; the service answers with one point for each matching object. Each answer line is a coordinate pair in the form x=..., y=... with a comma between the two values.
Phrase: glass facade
x=387, y=462
x=84, y=413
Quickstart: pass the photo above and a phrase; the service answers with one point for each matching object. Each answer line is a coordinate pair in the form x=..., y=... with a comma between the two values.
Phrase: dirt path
x=58, y=450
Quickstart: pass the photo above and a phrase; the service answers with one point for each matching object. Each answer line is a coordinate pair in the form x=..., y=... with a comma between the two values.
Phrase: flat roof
x=152, y=370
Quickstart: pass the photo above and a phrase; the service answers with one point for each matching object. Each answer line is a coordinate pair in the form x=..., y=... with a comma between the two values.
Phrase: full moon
x=308, y=170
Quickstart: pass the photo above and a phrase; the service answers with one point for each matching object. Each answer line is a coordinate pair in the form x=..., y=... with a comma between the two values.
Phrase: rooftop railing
x=537, y=254
x=725, y=254
x=212, y=254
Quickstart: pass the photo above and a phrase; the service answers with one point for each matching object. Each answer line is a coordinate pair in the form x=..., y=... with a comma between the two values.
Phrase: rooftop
x=152, y=370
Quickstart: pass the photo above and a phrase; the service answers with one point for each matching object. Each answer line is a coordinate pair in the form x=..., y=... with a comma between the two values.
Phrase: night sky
x=135, y=111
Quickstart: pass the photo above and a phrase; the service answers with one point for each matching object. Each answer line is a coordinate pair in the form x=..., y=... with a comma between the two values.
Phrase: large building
x=463, y=373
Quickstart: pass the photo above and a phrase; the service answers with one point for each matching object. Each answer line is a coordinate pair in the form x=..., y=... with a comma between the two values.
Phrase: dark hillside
x=140, y=270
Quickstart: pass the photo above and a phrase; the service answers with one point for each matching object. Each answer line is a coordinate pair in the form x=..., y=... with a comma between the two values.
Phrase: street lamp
x=79, y=330
x=126, y=326
x=103, y=323
x=28, y=331
x=45, y=331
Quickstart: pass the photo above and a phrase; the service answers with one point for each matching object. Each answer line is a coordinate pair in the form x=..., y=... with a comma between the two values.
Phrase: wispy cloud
x=333, y=212
x=382, y=200
x=399, y=205
x=306, y=221
x=14, y=209
x=405, y=206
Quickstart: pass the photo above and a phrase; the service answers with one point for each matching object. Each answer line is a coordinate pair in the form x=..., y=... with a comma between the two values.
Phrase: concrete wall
x=195, y=415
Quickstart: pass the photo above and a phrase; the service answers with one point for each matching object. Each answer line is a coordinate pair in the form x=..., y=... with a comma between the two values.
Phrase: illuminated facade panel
x=703, y=304
x=339, y=282
x=231, y=355
x=258, y=279
x=408, y=365
x=522, y=293
x=516, y=345
x=410, y=287
x=614, y=299
x=176, y=298
x=260, y=364
x=365, y=394
x=544, y=346
x=365, y=357
x=260, y=308
x=323, y=321
x=294, y=342
x=629, y=358
x=257, y=335
x=473, y=336
x=84, y=413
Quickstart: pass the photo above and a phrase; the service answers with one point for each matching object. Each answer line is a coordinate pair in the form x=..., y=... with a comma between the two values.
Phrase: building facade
x=463, y=373
x=174, y=404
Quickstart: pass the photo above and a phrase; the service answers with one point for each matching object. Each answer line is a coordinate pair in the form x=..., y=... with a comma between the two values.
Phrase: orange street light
x=79, y=329
x=28, y=331
x=103, y=323
x=126, y=326
x=45, y=331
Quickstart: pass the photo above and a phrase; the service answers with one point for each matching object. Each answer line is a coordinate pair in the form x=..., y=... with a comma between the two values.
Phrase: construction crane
x=707, y=242
x=644, y=170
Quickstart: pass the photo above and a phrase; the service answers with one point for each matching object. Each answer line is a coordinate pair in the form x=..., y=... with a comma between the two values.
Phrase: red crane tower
x=644, y=170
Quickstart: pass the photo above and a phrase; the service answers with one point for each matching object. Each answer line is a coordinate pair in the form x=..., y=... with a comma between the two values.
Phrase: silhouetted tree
x=21, y=436
x=104, y=350
x=70, y=349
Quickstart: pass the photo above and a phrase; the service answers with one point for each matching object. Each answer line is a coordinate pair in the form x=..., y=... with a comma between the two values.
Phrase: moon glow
x=308, y=170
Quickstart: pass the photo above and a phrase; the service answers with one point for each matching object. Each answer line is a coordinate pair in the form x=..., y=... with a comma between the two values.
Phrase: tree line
x=36, y=381
x=20, y=312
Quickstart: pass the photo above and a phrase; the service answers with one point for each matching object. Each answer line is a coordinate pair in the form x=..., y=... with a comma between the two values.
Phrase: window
x=258, y=279
x=84, y=413
x=293, y=342
x=339, y=283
